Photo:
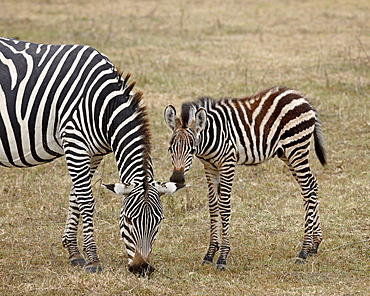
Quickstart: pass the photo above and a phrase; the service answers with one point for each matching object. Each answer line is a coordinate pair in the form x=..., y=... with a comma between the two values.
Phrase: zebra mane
x=122, y=82
x=146, y=137
x=188, y=109
x=139, y=107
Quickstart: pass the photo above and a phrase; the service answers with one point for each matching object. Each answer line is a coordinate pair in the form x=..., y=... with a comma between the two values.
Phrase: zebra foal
x=70, y=100
x=228, y=132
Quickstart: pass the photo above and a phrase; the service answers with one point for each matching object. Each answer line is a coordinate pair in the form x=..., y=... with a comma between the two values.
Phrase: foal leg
x=299, y=166
x=224, y=205
x=317, y=233
x=213, y=179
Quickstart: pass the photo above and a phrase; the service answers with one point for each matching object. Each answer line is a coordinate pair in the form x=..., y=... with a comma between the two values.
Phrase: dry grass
x=178, y=50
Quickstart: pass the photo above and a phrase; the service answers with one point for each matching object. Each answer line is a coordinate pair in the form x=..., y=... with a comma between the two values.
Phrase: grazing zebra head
x=185, y=137
x=142, y=210
x=139, y=220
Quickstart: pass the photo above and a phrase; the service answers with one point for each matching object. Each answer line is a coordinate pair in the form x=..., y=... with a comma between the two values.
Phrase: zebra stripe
x=70, y=100
x=228, y=132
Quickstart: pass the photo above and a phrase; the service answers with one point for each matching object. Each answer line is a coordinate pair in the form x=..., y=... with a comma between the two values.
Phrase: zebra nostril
x=142, y=269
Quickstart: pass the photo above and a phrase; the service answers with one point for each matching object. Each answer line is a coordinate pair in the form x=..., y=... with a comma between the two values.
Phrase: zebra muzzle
x=140, y=266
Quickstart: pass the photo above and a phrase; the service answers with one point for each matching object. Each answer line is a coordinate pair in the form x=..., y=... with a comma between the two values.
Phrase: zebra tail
x=319, y=142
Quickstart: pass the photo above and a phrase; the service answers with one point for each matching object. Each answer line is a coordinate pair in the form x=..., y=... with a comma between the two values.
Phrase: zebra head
x=139, y=220
x=185, y=138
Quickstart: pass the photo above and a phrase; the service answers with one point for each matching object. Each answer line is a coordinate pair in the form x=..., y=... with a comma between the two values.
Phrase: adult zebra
x=228, y=132
x=70, y=100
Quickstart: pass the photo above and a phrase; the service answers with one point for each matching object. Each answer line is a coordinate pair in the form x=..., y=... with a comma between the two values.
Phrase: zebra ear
x=172, y=121
x=199, y=122
x=119, y=188
x=168, y=188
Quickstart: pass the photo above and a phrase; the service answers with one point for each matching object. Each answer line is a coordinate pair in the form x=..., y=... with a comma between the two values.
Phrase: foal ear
x=119, y=188
x=199, y=122
x=168, y=188
x=172, y=121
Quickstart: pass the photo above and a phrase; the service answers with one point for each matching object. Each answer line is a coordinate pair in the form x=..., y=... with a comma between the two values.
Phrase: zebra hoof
x=94, y=268
x=81, y=262
x=300, y=261
x=221, y=266
x=206, y=262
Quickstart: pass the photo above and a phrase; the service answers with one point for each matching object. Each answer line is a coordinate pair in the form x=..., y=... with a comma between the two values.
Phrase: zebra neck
x=129, y=135
x=135, y=171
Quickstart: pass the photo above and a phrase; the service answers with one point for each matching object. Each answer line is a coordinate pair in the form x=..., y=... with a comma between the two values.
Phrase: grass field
x=177, y=51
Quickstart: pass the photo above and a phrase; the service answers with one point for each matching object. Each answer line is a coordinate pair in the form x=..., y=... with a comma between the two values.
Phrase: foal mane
x=188, y=109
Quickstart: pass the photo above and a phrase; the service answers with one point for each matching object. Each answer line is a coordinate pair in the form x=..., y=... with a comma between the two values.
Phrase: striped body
x=229, y=132
x=70, y=100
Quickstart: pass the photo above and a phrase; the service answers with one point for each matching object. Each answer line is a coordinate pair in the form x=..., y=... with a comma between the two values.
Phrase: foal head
x=185, y=139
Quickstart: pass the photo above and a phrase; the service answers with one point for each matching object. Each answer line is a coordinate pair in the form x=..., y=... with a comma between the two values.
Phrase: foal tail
x=318, y=137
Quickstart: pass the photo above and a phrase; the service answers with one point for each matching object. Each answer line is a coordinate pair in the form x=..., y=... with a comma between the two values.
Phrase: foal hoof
x=206, y=262
x=94, y=268
x=312, y=253
x=300, y=261
x=221, y=266
x=81, y=262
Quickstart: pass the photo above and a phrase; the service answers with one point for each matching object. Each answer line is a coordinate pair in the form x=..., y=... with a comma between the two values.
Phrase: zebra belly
x=25, y=140
x=17, y=150
x=27, y=159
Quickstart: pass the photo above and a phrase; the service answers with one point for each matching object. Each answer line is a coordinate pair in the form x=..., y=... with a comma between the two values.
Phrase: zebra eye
x=128, y=220
x=192, y=151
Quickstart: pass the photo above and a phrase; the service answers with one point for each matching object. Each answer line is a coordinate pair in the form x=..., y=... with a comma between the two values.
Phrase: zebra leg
x=89, y=245
x=86, y=204
x=224, y=205
x=300, y=168
x=213, y=178
x=79, y=164
x=70, y=232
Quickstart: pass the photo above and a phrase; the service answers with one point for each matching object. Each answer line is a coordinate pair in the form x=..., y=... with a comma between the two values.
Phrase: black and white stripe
x=70, y=100
x=228, y=132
